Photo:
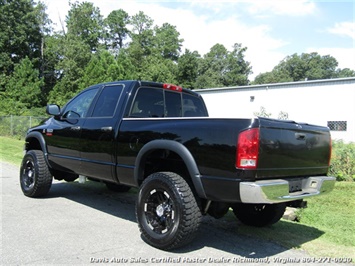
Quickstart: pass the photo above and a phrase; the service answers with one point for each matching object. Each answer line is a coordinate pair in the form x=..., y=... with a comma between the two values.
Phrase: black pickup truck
x=158, y=138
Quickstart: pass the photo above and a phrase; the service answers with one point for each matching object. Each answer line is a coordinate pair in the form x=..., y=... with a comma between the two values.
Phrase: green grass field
x=326, y=227
x=11, y=150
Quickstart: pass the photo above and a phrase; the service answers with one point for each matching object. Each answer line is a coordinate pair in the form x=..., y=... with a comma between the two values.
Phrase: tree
x=102, y=68
x=306, y=66
x=142, y=40
x=272, y=77
x=237, y=69
x=158, y=69
x=23, y=89
x=167, y=42
x=345, y=73
x=84, y=21
x=52, y=55
x=211, y=67
x=20, y=34
x=141, y=24
x=48, y=58
x=75, y=54
x=124, y=60
x=187, y=68
x=221, y=68
x=75, y=49
x=117, y=31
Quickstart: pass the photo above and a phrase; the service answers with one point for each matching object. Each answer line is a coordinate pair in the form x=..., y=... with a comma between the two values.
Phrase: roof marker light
x=172, y=87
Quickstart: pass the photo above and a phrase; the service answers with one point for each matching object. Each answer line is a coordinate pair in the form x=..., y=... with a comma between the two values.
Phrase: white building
x=329, y=102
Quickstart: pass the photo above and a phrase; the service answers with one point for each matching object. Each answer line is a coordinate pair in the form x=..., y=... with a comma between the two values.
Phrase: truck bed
x=286, y=148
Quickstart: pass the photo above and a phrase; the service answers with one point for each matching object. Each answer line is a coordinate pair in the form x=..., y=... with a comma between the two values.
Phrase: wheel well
x=165, y=160
x=162, y=160
x=32, y=144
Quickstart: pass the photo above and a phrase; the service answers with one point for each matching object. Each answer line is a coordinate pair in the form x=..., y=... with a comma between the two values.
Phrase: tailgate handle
x=300, y=136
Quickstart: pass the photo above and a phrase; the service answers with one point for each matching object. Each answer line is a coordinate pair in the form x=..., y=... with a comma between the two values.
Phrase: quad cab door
x=63, y=135
x=98, y=134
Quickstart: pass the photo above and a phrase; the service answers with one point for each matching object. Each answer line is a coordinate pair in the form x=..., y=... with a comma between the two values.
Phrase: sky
x=270, y=30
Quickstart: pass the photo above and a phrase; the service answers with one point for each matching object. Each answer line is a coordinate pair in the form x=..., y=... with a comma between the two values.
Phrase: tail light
x=248, y=149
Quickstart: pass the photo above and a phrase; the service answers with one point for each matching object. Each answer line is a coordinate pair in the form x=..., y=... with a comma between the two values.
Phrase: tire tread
x=191, y=219
x=43, y=180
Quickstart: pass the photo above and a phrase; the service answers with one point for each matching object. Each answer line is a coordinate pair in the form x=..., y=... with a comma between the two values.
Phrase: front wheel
x=35, y=177
x=167, y=212
x=259, y=215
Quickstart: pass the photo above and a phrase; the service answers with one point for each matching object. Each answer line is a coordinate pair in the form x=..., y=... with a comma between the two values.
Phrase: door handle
x=75, y=128
x=300, y=136
x=106, y=129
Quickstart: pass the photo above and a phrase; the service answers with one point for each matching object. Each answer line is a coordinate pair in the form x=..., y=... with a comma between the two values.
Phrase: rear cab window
x=158, y=102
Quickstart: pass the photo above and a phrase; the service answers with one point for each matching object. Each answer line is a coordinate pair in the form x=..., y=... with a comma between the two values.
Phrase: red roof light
x=172, y=87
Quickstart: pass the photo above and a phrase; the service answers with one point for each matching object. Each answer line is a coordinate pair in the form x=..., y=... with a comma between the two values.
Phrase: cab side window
x=79, y=106
x=149, y=102
x=193, y=106
x=107, y=103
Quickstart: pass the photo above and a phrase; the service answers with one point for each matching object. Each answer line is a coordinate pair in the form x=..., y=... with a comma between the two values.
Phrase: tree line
x=39, y=65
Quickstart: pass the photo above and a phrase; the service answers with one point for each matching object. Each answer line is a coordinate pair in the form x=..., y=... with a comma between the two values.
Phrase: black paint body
x=202, y=149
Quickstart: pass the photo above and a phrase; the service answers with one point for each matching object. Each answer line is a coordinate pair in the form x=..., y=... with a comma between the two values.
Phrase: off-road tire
x=167, y=212
x=35, y=177
x=259, y=215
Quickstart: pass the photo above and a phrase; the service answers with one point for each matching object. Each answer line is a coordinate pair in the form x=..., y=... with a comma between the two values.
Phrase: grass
x=326, y=227
x=335, y=215
x=11, y=150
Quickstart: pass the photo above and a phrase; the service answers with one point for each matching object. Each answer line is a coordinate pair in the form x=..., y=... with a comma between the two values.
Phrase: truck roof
x=167, y=86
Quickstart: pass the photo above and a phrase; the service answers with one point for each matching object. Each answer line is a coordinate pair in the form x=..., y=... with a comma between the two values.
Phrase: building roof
x=308, y=83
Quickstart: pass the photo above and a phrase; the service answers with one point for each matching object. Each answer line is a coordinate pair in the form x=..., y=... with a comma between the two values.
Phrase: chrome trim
x=277, y=190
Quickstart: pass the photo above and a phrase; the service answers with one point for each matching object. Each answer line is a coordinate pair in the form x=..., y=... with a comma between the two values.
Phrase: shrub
x=342, y=164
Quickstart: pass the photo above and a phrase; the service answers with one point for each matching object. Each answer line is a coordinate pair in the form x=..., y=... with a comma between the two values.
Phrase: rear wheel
x=35, y=177
x=167, y=212
x=259, y=214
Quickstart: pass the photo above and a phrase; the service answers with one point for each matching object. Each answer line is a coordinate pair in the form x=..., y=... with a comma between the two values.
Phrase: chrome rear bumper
x=277, y=190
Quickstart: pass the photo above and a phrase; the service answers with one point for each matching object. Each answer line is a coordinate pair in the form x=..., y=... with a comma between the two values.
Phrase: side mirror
x=53, y=109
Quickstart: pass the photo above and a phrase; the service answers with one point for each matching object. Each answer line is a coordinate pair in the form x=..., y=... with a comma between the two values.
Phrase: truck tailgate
x=289, y=149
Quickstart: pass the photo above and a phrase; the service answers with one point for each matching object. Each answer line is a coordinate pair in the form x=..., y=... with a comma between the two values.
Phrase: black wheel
x=167, y=212
x=117, y=187
x=259, y=214
x=35, y=177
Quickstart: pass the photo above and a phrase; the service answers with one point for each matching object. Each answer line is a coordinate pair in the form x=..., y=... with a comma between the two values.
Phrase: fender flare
x=179, y=149
x=39, y=137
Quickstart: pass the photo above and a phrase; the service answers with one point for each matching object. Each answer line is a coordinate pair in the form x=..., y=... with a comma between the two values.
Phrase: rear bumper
x=277, y=190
